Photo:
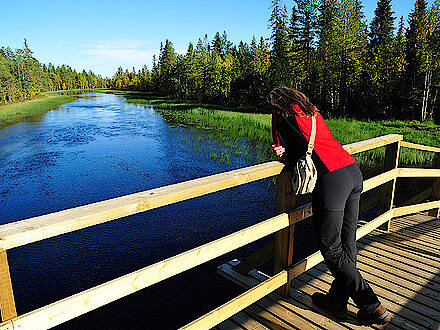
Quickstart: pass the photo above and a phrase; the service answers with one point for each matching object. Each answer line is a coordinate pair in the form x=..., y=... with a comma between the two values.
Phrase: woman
x=335, y=202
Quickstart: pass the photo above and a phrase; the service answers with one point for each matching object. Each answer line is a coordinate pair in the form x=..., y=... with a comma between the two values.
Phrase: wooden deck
x=403, y=268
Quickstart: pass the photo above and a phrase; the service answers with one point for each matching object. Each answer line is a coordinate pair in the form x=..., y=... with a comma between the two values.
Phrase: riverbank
x=27, y=110
x=257, y=127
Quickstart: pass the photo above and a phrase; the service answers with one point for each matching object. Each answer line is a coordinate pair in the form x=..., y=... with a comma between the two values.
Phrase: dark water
x=99, y=147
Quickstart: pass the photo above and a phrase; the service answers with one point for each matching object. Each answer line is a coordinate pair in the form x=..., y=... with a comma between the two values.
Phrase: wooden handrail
x=419, y=146
x=49, y=225
x=88, y=300
x=33, y=229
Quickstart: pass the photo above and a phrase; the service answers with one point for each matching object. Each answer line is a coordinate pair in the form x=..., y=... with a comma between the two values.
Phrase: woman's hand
x=279, y=150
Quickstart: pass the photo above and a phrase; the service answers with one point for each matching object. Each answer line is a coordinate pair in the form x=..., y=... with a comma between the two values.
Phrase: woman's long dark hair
x=287, y=100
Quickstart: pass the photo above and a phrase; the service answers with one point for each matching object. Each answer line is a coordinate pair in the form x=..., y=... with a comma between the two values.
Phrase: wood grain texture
x=7, y=302
x=283, y=250
x=419, y=146
x=34, y=229
x=391, y=161
x=373, y=143
x=85, y=301
x=436, y=189
x=237, y=304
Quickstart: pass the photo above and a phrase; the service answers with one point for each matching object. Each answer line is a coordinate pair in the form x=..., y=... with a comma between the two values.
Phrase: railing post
x=7, y=302
x=436, y=189
x=283, y=254
x=386, y=200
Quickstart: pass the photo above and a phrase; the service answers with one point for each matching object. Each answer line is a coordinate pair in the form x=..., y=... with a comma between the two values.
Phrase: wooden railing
x=34, y=229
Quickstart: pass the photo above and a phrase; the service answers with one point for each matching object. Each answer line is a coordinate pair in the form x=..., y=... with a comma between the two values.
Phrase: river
x=99, y=147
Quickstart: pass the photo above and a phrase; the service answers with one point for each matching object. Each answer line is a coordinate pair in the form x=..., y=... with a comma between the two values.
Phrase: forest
x=386, y=69
x=23, y=77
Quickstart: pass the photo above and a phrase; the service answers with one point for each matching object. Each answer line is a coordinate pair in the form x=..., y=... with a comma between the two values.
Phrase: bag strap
x=312, y=137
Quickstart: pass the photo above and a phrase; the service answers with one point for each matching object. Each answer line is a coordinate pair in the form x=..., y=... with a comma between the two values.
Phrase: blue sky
x=102, y=35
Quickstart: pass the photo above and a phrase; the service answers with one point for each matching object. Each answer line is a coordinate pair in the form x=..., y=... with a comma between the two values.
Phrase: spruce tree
x=417, y=59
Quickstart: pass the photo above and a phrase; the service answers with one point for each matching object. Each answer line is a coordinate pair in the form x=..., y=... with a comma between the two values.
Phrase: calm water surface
x=100, y=147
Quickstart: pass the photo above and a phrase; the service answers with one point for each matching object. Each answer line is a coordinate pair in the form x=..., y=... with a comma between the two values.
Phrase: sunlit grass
x=233, y=126
x=28, y=110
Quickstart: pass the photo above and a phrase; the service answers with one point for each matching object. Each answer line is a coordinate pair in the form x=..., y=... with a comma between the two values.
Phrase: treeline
x=23, y=77
x=324, y=48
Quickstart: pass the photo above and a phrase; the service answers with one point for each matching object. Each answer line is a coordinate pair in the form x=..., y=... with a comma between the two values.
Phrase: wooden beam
x=88, y=300
x=380, y=141
x=405, y=210
x=436, y=189
x=237, y=304
x=418, y=173
x=7, y=302
x=419, y=146
x=380, y=179
x=283, y=252
x=34, y=229
x=257, y=259
x=387, y=191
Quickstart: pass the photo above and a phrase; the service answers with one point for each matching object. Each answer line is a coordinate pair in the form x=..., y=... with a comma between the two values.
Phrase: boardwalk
x=402, y=266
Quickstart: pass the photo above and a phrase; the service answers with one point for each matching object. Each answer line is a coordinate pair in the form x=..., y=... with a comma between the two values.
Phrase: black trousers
x=335, y=216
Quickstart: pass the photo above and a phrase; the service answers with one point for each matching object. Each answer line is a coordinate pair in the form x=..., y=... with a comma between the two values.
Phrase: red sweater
x=293, y=133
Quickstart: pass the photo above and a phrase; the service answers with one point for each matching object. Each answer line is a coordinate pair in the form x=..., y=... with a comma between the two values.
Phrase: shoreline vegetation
x=256, y=127
x=14, y=113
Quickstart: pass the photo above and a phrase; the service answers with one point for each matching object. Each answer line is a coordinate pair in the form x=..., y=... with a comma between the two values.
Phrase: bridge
x=399, y=253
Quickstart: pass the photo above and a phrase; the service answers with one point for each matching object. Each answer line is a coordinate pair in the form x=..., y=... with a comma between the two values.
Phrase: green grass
x=31, y=110
x=233, y=125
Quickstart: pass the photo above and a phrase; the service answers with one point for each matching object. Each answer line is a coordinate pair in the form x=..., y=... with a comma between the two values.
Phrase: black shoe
x=379, y=316
x=328, y=303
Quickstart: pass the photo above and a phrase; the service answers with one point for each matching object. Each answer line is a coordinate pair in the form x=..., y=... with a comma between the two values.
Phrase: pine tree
x=417, y=59
x=279, y=67
x=307, y=22
x=382, y=63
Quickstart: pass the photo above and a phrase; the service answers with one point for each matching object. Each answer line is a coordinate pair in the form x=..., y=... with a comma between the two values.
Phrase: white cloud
x=107, y=55
x=115, y=53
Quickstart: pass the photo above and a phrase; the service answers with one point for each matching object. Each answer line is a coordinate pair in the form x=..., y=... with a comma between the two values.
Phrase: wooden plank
x=7, y=302
x=34, y=229
x=410, y=292
x=366, y=256
x=228, y=325
x=419, y=146
x=373, y=224
x=268, y=319
x=393, y=256
x=416, y=231
x=85, y=301
x=403, y=250
x=260, y=257
x=373, y=143
x=247, y=322
x=237, y=304
x=395, y=272
x=406, y=210
x=409, y=242
x=387, y=191
x=283, y=250
x=431, y=241
x=418, y=173
x=394, y=303
x=436, y=189
x=305, y=285
x=380, y=179
x=294, y=304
